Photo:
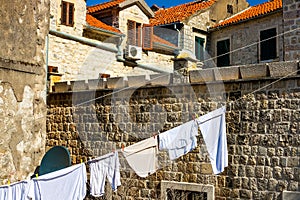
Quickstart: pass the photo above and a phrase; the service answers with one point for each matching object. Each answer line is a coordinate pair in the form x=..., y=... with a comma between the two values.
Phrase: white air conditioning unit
x=134, y=52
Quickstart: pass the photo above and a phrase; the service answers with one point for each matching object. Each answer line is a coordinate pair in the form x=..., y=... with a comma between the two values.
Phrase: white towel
x=213, y=129
x=65, y=184
x=179, y=140
x=142, y=156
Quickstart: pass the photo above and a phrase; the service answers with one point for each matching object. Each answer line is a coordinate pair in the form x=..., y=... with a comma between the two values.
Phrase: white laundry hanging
x=65, y=184
x=107, y=166
x=142, y=156
x=179, y=140
x=14, y=191
x=213, y=129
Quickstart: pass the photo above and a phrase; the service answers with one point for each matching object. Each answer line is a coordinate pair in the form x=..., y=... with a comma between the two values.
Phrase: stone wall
x=78, y=61
x=79, y=17
x=262, y=120
x=291, y=16
x=24, y=26
x=244, y=39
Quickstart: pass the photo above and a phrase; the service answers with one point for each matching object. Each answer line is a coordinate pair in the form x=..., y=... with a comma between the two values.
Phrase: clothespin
x=196, y=115
x=154, y=135
x=37, y=175
x=8, y=182
x=122, y=146
x=81, y=160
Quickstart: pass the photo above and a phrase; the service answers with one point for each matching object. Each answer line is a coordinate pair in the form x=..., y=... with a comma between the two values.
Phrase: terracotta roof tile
x=92, y=21
x=252, y=12
x=162, y=41
x=102, y=6
x=179, y=13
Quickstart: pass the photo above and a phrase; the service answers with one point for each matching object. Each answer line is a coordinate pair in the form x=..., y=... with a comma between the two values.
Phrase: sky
x=169, y=3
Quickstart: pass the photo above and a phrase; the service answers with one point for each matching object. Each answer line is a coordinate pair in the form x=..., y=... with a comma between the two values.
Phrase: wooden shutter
x=147, y=37
x=71, y=14
x=64, y=13
x=131, y=35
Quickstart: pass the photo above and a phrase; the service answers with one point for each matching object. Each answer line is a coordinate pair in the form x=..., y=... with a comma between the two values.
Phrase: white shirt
x=107, y=166
x=142, y=156
x=213, y=129
x=14, y=191
x=179, y=140
x=65, y=184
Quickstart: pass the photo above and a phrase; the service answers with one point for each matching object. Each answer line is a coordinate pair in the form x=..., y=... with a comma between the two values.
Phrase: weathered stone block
x=160, y=79
x=206, y=168
x=227, y=73
x=278, y=69
x=115, y=82
x=94, y=84
x=200, y=76
x=253, y=71
x=78, y=85
x=136, y=81
x=61, y=87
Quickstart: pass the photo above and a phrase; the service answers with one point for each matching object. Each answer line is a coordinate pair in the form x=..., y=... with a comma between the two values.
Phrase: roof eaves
x=244, y=20
x=104, y=30
x=146, y=9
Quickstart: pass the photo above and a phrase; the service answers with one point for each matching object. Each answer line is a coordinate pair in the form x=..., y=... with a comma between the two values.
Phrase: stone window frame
x=192, y=187
x=70, y=11
x=259, y=44
x=230, y=49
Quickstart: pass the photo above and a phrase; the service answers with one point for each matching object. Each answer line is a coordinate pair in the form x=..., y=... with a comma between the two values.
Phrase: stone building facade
x=262, y=121
x=81, y=51
x=291, y=27
x=244, y=39
x=24, y=27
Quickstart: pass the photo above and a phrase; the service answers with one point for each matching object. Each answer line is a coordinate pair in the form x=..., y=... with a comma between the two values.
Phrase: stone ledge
x=233, y=73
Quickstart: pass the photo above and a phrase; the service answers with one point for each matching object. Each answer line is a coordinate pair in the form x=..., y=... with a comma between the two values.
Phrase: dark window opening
x=230, y=9
x=268, y=45
x=67, y=13
x=199, y=48
x=223, y=55
x=185, y=195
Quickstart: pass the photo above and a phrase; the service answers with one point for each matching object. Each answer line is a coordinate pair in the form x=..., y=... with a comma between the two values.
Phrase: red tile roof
x=252, y=12
x=102, y=6
x=92, y=21
x=162, y=41
x=179, y=13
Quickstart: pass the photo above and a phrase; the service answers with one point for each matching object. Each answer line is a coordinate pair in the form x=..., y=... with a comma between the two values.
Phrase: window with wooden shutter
x=147, y=37
x=67, y=13
x=131, y=32
x=134, y=33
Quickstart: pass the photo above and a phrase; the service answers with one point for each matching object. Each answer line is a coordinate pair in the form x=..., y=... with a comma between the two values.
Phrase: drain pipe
x=84, y=40
x=120, y=58
x=178, y=31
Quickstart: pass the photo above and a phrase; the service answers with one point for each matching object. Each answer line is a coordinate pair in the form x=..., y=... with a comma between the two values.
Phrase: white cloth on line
x=213, y=129
x=14, y=191
x=142, y=156
x=179, y=140
x=65, y=184
x=107, y=166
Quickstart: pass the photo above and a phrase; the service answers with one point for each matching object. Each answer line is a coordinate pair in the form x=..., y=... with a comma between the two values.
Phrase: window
x=268, y=44
x=186, y=191
x=199, y=48
x=134, y=33
x=223, y=56
x=185, y=195
x=67, y=13
x=229, y=9
x=139, y=35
